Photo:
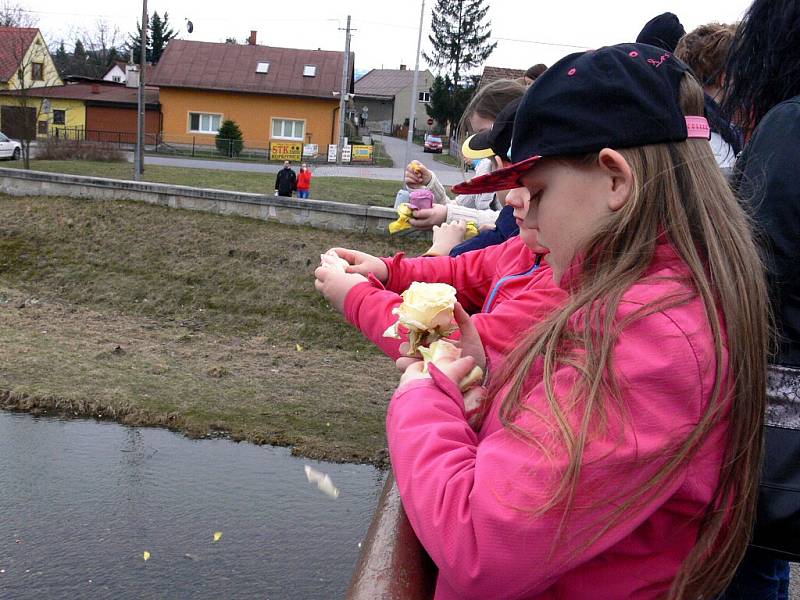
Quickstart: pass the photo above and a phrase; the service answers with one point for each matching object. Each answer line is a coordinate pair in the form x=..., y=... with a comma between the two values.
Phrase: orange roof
x=14, y=43
x=232, y=67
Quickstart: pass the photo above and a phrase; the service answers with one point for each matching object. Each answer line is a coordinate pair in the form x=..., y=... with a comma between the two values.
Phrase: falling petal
x=217, y=535
x=146, y=555
x=323, y=482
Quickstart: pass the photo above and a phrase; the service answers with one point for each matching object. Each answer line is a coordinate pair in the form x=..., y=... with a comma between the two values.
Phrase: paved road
x=394, y=147
x=794, y=584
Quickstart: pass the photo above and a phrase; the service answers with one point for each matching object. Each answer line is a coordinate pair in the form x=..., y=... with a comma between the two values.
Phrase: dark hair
x=534, y=71
x=706, y=50
x=763, y=68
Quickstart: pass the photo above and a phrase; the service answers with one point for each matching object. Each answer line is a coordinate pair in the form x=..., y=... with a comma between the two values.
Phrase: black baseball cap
x=495, y=141
x=613, y=97
x=663, y=31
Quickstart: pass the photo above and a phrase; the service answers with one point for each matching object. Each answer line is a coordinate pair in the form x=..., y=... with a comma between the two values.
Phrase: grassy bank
x=373, y=192
x=203, y=323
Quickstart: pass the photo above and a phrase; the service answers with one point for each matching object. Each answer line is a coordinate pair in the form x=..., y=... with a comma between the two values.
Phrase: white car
x=9, y=149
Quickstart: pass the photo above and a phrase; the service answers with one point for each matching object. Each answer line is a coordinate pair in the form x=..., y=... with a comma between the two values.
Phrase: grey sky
x=386, y=36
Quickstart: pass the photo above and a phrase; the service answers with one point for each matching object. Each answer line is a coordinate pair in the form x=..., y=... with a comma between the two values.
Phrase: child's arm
x=476, y=505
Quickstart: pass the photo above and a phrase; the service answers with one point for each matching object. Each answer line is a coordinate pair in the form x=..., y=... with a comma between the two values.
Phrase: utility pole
x=138, y=157
x=414, y=99
x=343, y=91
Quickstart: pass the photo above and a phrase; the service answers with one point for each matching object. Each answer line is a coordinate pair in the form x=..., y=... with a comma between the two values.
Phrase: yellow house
x=25, y=61
x=281, y=98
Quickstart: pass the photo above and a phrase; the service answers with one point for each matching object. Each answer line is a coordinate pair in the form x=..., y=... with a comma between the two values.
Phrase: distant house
x=386, y=95
x=93, y=110
x=494, y=73
x=275, y=95
x=25, y=61
x=121, y=72
x=26, y=65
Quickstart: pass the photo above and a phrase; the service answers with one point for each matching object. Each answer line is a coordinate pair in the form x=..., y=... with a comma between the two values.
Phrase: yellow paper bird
x=217, y=535
x=472, y=230
x=146, y=555
x=404, y=213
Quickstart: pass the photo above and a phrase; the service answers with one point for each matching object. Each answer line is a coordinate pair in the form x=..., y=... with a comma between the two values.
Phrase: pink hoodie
x=472, y=498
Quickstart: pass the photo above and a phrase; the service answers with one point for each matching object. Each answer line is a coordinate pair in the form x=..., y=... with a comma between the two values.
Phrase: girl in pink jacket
x=620, y=450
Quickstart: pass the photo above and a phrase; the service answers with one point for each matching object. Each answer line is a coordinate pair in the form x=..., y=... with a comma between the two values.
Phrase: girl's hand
x=426, y=218
x=470, y=343
x=417, y=175
x=455, y=370
x=335, y=285
x=446, y=237
x=362, y=263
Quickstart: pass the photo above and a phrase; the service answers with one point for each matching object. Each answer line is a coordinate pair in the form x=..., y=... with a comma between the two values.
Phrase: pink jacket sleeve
x=473, y=500
x=471, y=273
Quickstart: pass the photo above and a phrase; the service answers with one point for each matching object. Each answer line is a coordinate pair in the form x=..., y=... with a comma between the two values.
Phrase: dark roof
x=14, y=43
x=101, y=92
x=384, y=82
x=494, y=73
x=232, y=67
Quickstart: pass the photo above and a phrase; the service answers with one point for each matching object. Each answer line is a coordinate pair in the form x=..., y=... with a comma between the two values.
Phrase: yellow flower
x=442, y=349
x=427, y=313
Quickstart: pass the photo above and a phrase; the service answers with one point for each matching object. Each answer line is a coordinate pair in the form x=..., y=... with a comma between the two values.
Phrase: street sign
x=430, y=121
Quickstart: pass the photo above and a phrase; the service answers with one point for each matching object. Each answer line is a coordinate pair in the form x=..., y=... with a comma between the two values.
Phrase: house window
x=116, y=78
x=41, y=127
x=424, y=96
x=37, y=71
x=310, y=71
x=288, y=129
x=59, y=117
x=204, y=123
x=262, y=67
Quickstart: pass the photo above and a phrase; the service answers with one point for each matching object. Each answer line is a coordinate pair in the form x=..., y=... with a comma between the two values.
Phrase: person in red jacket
x=303, y=181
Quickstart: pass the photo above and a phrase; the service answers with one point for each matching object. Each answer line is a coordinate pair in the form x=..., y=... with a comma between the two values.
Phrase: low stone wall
x=294, y=211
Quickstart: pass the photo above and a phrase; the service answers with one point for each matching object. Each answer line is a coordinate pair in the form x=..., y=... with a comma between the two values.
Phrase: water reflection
x=80, y=502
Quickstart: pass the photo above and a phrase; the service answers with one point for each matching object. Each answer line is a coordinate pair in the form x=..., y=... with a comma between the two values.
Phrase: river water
x=81, y=501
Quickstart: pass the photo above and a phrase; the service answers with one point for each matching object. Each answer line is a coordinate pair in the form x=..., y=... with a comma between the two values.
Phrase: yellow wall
x=75, y=117
x=253, y=114
x=39, y=53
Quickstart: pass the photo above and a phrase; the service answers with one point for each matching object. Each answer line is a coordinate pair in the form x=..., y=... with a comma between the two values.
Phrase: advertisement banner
x=285, y=150
x=332, y=148
x=346, y=153
x=310, y=150
x=362, y=153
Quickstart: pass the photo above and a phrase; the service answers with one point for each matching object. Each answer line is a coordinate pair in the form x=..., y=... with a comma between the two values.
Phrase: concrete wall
x=294, y=211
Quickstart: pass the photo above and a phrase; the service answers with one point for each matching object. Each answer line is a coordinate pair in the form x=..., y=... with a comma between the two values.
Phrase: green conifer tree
x=229, y=140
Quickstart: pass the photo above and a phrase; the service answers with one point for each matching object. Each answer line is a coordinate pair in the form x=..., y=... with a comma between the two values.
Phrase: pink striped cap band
x=697, y=127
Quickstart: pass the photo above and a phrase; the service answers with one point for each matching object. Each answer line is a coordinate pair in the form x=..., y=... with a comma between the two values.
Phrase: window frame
x=266, y=69
x=63, y=113
x=34, y=66
x=288, y=138
x=202, y=114
x=306, y=68
x=421, y=97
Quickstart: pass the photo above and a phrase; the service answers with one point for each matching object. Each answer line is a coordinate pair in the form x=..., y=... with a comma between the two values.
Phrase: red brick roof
x=494, y=73
x=232, y=67
x=101, y=92
x=14, y=43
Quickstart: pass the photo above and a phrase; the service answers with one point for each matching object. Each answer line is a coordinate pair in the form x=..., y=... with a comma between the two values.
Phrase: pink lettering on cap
x=697, y=127
x=572, y=72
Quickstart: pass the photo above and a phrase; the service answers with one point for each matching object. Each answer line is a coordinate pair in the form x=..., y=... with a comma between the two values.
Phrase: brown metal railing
x=393, y=564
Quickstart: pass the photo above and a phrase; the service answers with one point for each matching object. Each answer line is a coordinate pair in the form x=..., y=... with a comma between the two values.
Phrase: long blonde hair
x=680, y=193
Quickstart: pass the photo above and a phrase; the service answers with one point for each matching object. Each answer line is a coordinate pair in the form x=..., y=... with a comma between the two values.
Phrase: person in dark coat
x=286, y=181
